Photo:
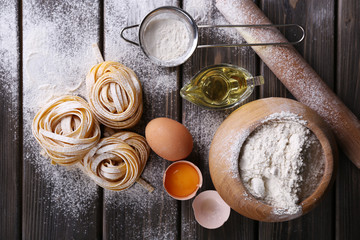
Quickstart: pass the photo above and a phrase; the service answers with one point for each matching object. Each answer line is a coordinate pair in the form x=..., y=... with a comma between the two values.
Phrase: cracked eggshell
x=210, y=210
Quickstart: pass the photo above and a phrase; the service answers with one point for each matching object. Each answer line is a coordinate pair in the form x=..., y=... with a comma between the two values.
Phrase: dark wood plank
x=135, y=213
x=10, y=123
x=348, y=89
x=203, y=123
x=318, y=49
x=58, y=203
x=129, y=215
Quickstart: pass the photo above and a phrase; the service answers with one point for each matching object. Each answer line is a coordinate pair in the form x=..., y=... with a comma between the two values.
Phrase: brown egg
x=169, y=139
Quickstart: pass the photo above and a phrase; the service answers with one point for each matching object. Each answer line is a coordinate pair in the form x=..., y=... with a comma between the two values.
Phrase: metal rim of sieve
x=177, y=13
x=181, y=14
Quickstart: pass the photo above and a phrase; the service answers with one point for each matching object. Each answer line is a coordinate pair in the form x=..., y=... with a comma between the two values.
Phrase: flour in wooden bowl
x=281, y=162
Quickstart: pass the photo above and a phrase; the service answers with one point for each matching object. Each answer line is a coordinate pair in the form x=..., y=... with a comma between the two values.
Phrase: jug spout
x=220, y=86
x=190, y=92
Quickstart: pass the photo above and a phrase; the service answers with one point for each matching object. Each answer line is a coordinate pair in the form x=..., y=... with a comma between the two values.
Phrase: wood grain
x=348, y=89
x=10, y=123
x=315, y=49
x=223, y=160
x=203, y=123
x=135, y=213
x=297, y=75
x=71, y=22
x=27, y=210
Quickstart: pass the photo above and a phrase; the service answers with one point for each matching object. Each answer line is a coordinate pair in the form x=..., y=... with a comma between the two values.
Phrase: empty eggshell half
x=210, y=210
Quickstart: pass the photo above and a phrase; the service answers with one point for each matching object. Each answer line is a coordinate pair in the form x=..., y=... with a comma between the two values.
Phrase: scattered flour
x=204, y=12
x=290, y=67
x=56, y=57
x=202, y=124
x=160, y=85
x=276, y=160
x=9, y=61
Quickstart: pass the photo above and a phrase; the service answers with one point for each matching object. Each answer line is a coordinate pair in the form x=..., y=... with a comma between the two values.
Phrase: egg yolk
x=181, y=179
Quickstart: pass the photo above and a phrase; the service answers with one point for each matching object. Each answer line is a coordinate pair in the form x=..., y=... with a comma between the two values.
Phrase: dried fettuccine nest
x=114, y=95
x=116, y=162
x=66, y=129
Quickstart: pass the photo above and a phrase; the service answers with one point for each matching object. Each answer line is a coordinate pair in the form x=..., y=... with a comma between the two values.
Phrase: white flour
x=57, y=55
x=275, y=158
x=167, y=39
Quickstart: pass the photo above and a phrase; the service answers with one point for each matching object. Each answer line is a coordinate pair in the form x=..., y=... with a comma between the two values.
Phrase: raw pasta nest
x=114, y=95
x=66, y=129
x=116, y=162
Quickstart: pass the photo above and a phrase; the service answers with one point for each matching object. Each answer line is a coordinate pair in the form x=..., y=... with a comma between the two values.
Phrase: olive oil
x=220, y=86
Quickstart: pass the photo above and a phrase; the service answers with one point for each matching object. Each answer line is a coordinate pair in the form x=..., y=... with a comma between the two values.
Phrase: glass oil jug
x=220, y=86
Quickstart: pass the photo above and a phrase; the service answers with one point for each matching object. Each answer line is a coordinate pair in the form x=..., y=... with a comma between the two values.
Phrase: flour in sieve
x=167, y=39
x=281, y=162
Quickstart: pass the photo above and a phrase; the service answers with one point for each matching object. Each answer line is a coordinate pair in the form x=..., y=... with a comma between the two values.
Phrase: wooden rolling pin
x=295, y=73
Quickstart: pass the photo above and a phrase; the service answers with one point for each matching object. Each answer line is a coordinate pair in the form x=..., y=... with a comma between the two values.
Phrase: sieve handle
x=126, y=28
x=254, y=26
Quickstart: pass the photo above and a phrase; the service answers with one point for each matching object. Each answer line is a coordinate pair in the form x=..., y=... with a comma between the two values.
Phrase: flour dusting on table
x=9, y=62
x=56, y=57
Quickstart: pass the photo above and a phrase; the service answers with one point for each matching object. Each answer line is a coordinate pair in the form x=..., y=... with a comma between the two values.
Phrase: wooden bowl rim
x=315, y=124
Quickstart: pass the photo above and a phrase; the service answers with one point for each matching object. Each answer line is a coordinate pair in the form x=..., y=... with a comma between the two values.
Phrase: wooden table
x=28, y=211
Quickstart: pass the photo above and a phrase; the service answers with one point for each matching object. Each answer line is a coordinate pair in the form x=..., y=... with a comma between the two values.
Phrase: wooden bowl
x=226, y=146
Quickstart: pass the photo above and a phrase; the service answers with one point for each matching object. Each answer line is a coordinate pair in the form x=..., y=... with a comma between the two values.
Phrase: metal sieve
x=169, y=12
